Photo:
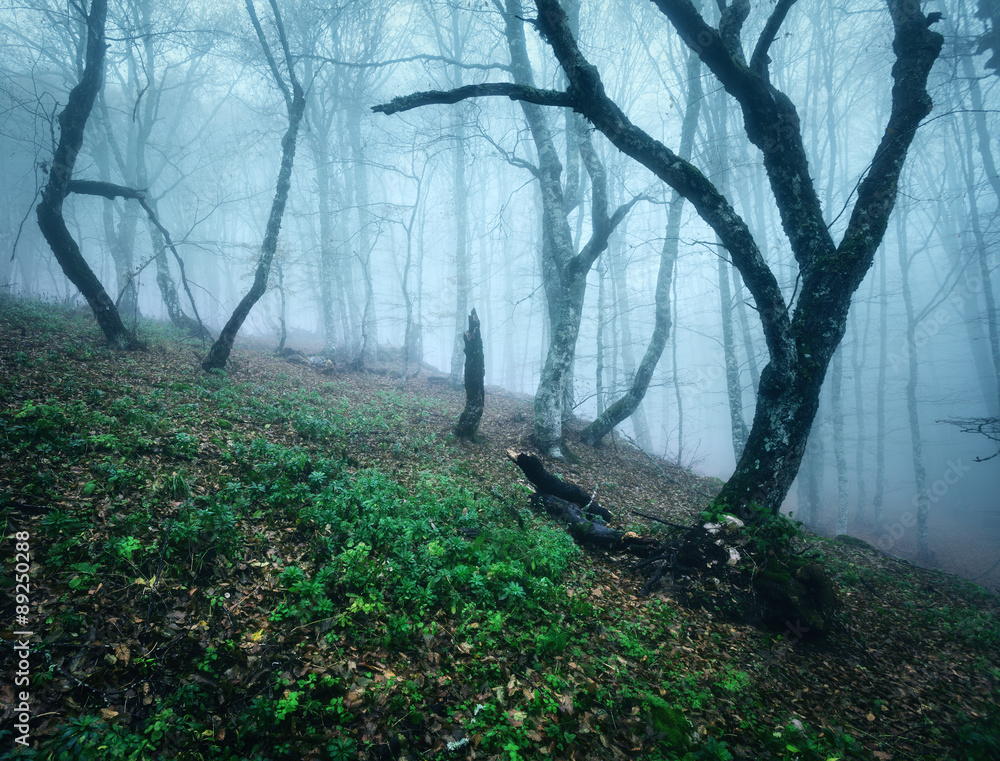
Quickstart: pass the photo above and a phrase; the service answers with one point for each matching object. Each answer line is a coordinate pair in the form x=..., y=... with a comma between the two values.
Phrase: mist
x=397, y=225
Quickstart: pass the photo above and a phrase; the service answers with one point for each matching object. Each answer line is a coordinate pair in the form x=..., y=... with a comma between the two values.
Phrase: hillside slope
x=272, y=563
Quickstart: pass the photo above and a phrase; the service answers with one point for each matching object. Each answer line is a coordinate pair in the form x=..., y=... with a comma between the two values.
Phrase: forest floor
x=274, y=563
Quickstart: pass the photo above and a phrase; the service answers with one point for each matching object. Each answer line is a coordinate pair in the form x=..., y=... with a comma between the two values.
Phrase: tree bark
x=475, y=376
x=734, y=384
x=72, y=121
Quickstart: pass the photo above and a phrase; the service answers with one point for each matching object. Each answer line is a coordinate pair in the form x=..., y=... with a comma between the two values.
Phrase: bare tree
x=295, y=103
x=801, y=338
x=565, y=267
x=72, y=121
x=606, y=420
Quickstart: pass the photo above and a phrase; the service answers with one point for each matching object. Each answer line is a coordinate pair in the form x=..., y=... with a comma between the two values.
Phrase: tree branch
x=267, y=53
x=772, y=124
x=105, y=189
x=590, y=99
x=488, y=89
x=731, y=27
x=408, y=59
x=759, y=60
x=111, y=191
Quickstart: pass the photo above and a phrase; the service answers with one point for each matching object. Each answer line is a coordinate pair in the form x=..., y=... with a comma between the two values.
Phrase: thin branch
x=487, y=89
x=408, y=59
x=759, y=60
x=111, y=191
x=267, y=52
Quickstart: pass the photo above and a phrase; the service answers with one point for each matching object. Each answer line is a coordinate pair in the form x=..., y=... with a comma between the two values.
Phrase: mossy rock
x=803, y=599
x=669, y=722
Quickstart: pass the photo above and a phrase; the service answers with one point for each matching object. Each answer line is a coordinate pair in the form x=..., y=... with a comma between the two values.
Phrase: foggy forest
x=500, y=379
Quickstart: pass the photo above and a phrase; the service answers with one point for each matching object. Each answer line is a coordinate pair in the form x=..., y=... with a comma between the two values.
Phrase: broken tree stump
x=475, y=378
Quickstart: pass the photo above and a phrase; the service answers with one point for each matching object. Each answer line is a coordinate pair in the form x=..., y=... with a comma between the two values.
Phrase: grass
x=265, y=564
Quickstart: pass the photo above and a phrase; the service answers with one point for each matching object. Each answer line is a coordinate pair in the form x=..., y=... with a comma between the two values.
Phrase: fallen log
x=701, y=561
x=546, y=483
x=580, y=511
x=590, y=532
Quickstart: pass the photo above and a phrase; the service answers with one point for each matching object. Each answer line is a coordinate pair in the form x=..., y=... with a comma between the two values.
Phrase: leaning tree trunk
x=295, y=102
x=72, y=121
x=475, y=376
x=594, y=433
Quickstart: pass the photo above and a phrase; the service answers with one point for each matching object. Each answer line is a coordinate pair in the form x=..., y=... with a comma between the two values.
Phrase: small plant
x=183, y=445
x=205, y=530
x=85, y=574
x=178, y=485
x=125, y=547
x=735, y=681
x=79, y=740
x=850, y=577
x=342, y=749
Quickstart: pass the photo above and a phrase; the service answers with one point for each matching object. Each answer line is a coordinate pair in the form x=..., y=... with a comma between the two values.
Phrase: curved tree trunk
x=801, y=344
x=72, y=121
x=607, y=419
x=594, y=433
x=295, y=102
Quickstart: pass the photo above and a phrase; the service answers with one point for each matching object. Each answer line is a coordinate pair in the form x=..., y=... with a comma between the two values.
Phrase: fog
x=440, y=206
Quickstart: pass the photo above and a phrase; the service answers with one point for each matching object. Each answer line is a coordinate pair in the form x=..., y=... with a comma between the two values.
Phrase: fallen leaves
x=122, y=642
